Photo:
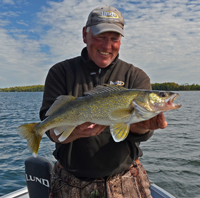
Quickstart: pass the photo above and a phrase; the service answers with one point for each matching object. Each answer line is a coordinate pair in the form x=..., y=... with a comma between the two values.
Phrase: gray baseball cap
x=105, y=19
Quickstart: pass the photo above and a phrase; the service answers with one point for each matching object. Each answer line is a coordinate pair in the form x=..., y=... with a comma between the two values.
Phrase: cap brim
x=106, y=27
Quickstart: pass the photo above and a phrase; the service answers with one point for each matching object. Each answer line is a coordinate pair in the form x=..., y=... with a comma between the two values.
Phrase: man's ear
x=84, y=35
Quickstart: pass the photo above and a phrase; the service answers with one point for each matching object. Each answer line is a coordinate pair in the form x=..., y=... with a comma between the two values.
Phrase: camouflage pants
x=133, y=183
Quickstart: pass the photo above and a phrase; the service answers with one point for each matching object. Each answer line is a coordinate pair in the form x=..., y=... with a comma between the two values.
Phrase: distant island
x=167, y=86
x=171, y=86
x=33, y=88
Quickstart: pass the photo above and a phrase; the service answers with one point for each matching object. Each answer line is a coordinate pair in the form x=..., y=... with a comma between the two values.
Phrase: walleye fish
x=109, y=105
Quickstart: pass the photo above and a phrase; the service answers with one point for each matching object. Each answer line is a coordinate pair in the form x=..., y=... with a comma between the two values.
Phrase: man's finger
x=84, y=126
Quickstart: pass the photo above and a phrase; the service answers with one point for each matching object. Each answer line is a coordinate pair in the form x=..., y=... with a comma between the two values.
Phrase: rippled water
x=16, y=109
x=171, y=157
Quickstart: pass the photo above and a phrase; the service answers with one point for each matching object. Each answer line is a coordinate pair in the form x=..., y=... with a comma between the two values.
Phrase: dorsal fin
x=59, y=102
x=105, y=88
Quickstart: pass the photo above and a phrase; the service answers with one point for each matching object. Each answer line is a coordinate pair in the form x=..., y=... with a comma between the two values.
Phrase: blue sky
x=162, y=37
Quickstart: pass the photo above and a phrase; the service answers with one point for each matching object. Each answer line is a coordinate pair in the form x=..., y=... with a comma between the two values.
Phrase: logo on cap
x=108, y=14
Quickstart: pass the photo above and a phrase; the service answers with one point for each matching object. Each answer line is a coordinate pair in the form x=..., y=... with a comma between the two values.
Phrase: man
x=89, y=163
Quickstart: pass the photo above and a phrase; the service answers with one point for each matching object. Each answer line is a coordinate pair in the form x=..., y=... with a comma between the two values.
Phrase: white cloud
x=20, y=60
x=4, y=22
x=161, y=37
x=9, y=14
x=162, y=42
x=11, y=2
x=21, y=22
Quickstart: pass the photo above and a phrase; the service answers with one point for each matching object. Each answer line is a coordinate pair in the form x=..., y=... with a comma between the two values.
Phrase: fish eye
x=162, y=94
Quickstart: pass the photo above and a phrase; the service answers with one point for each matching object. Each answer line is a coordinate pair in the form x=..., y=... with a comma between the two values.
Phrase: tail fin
x=27, y=132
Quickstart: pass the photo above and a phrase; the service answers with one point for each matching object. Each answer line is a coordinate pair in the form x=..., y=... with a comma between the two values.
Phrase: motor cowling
x=38, y=173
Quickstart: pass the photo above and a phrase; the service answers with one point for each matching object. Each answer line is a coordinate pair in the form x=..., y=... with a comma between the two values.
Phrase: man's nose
x=107, y=43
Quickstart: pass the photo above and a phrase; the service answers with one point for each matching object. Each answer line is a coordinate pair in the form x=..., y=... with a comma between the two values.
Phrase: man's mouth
x=103, y=53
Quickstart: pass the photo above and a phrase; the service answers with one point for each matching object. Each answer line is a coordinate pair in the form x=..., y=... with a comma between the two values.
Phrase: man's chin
x=104, y=64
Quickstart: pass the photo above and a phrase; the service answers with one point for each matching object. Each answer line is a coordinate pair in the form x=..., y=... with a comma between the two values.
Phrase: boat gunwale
x=156, y=190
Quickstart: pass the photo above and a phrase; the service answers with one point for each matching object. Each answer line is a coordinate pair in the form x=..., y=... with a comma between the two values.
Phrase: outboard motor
x=38, y=174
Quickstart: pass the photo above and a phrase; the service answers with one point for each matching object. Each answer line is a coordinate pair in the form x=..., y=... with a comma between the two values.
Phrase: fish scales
x=109, y=105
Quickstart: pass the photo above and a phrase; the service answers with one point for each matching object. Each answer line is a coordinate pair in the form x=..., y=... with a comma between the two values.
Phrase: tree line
x=167, y=86
x=171, y=86
x=33, y=88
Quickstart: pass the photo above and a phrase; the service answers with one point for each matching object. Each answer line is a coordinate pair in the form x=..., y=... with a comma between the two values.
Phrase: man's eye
x=114, y=39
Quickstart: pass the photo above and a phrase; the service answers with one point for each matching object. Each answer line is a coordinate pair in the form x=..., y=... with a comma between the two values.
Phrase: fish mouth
x=170, y=101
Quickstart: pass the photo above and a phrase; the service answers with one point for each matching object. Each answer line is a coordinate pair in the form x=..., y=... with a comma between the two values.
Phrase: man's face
x=102, y=48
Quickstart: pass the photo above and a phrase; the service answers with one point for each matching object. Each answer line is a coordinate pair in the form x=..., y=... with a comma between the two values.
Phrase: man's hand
x=157, y=122
x=88, y=129
x=84, y=130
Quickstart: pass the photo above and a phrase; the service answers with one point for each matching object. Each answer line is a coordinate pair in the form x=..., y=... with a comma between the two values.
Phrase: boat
x=156, y=192
x=38, y=172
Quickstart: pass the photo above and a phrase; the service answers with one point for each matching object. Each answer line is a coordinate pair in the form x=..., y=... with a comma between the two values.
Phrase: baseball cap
x=105, y=19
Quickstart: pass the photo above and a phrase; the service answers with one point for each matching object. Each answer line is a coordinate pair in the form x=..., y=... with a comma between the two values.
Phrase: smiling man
x=89, y=163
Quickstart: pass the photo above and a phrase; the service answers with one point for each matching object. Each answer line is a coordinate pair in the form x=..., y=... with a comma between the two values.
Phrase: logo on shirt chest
x=120, y=83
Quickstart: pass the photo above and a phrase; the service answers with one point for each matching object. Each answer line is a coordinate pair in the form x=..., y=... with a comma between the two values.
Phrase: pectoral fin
x=119, y=131
x=65, y=130
x=120, y=113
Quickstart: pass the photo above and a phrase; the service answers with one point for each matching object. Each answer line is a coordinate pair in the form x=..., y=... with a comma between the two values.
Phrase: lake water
x=171, y=157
